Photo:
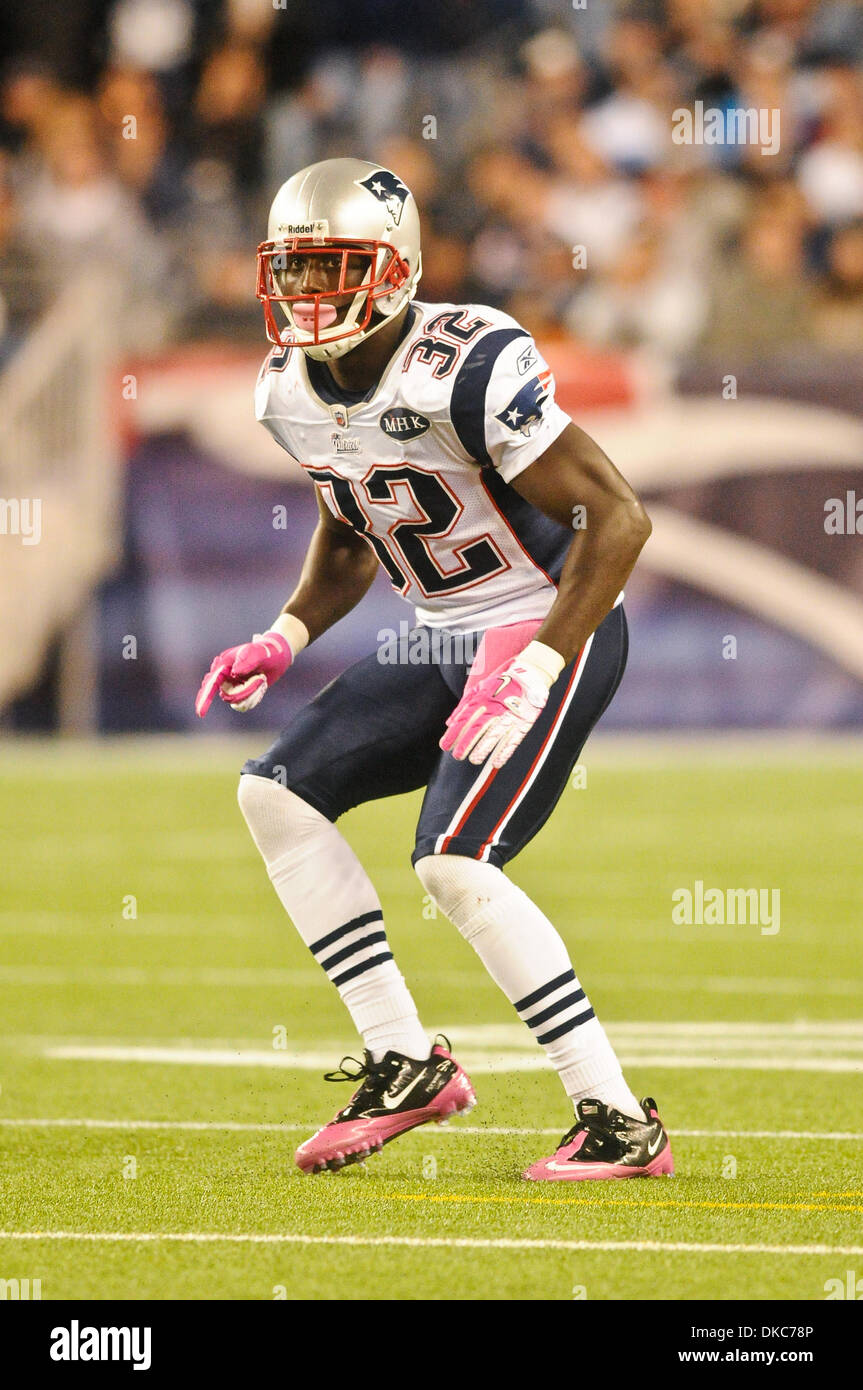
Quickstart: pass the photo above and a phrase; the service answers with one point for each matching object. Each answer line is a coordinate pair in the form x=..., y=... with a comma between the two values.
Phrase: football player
x=431, y=435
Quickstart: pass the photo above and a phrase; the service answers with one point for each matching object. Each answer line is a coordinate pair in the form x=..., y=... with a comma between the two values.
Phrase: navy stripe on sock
x=376, y=916
x=363, y=966
x=553, y=1009
x=370, y=940
x=566, y=1027
x=542, y=993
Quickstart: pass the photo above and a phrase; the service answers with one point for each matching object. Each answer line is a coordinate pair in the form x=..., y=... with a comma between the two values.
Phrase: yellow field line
x=619, y=1202
x=837, y=1194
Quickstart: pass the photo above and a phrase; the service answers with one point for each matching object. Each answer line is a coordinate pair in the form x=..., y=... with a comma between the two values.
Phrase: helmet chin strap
x=323, y=352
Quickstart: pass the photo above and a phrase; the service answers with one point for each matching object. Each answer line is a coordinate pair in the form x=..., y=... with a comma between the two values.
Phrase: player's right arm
x=338, y=570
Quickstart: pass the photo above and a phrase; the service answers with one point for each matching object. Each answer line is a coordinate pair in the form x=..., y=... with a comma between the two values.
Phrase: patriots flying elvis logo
x=525, y=408
x=387, y=189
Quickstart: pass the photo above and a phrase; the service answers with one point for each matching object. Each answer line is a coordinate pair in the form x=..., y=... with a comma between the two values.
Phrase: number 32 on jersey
x=412, y=551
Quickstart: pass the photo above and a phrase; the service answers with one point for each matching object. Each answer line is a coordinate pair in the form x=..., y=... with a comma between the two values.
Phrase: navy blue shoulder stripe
x=467, y=404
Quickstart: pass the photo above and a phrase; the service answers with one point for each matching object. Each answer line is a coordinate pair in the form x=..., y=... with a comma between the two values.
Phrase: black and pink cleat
x=603, y=1143
x=395, y=1095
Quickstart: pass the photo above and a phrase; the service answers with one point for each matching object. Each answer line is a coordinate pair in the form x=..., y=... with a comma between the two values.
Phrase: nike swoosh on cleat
x=569, y=1166
x=390, y=1102
x=652, y=1148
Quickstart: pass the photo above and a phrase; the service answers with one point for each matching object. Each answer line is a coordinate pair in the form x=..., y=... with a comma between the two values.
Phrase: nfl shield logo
x=340, y=416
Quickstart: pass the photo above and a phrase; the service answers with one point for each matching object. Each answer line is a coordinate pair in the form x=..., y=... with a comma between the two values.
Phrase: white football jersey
x=422, y=466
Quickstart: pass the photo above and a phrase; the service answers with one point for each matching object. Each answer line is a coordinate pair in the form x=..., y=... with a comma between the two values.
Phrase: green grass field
x=148, y=1122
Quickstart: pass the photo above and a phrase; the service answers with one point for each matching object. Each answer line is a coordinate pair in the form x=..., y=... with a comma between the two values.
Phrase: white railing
x=59, y=495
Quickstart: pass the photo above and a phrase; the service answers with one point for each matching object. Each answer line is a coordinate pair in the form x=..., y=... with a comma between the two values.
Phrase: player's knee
x=249, y=793
x=458, y=885
x=277, y=817
x=428, y=871
x=256, y=802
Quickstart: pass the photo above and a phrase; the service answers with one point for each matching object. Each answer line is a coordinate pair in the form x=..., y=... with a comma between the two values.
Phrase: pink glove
x=242, y=675
x=494, y=715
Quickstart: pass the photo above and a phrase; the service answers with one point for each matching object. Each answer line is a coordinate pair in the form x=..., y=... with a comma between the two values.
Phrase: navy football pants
x=374, y=732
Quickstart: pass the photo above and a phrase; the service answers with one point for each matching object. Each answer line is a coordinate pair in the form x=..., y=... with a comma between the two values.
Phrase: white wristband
x=545, y=659
x=294, y=631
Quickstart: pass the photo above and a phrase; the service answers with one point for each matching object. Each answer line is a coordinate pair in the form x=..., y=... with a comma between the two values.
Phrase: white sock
x=526, y=957
x=329, y=896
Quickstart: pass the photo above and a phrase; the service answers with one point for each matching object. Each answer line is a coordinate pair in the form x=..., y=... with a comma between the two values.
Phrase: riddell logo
x=318, y=229
x=77, y=1343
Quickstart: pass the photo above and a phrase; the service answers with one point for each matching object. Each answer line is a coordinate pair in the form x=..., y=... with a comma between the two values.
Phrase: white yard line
x=201, y=976
x=710, y=1038
x=283, y=977
x=797, y=987
x=804, y=1028
x=834, y=1047
x=480, y=1062
x=219, y=976
x=710, y=1035
x=224, y=754
x=444, y=1131
x=425, y=1242
x=662, y=1062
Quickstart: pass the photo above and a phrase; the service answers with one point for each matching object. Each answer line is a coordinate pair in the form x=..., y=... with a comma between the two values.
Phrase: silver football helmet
x=349, y=208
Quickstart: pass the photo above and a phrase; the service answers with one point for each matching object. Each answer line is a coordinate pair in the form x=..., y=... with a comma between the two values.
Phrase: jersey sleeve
x=267, y=408
x=503, y=406
x=277, y=430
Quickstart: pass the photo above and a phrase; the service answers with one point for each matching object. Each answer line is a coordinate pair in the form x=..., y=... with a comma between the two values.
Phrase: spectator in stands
x=555, y=86
x=550, y=132
x=762, y=299
x=301, y=125
x=22, y=290
x=28, y=95
x=588, y=204
x=643, y=299
x=629, y=127
x=703, y=52
x=838, y=323
x=228, y=124
x=765, y=84
x=75, y=214
x=145, y=159
x=831, y=171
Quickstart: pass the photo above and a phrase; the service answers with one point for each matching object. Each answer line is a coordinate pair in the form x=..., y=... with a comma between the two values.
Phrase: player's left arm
x=576, y=484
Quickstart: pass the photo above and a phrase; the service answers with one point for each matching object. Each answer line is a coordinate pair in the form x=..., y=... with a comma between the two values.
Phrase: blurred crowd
x=150, y=136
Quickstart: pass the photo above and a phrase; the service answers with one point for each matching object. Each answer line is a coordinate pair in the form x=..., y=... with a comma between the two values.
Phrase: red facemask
x=316, y=312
